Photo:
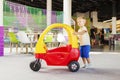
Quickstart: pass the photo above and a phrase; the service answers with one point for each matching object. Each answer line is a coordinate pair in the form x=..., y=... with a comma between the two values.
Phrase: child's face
x=81, y=22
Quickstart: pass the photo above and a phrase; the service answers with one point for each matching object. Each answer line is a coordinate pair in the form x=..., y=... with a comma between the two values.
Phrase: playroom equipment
x=66, y=55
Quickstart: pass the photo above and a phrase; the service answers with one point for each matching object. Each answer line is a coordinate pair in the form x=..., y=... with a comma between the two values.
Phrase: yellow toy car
x=67, y=55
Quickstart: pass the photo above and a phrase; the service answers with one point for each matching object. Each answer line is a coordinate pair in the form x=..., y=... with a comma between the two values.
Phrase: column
x=94, y=16
x=49, y=8
x=67, y=15
x=113, y=25
x=1, y=29
x=114, y=17
x=67, y=11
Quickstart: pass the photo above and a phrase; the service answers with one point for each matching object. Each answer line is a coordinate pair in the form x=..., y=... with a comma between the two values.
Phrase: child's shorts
x=84, y=51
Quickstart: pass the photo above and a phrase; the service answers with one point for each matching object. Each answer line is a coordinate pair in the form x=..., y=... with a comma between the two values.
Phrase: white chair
x=61, y=39
x=23, y=38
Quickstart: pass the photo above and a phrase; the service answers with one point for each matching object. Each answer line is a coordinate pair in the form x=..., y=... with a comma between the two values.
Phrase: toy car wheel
x=74, y=66
x=35, y=65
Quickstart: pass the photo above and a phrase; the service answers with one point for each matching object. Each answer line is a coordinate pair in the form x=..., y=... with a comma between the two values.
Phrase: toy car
x=67, y=55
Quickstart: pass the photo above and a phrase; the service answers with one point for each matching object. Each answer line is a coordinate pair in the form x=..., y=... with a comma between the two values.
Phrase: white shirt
x=84, y=38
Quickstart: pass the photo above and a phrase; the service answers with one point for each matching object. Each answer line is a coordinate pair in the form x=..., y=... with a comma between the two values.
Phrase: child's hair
x=81, y=18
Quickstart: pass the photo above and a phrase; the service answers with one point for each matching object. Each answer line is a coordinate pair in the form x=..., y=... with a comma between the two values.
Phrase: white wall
x=1, y=13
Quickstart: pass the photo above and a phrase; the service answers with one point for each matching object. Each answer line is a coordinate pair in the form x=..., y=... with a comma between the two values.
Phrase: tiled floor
x=105, y=66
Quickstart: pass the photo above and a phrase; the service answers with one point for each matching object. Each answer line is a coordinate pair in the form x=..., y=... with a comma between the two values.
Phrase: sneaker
x=88, y=66
x=84, y=66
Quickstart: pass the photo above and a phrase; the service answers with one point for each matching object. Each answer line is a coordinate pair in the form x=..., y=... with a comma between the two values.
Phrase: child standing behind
x=84, y=40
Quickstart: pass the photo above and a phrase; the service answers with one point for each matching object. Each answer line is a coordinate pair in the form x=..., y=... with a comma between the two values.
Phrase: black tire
x=35, y=65
x=74, y=66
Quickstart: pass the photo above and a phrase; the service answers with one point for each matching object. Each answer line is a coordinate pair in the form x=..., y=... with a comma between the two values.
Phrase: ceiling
x=104, y=7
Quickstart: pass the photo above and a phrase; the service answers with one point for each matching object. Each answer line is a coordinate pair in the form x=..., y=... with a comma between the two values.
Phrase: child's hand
x=75, y=33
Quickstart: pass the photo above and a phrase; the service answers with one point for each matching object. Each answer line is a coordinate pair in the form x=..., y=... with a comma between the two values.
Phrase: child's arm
x=80, y=33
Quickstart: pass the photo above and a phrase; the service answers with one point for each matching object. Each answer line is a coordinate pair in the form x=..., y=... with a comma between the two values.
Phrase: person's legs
x=85, y=55
x=92, y=40
x=84, y=61
x=87, y=50
x=82, y=55
x=88, y=60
